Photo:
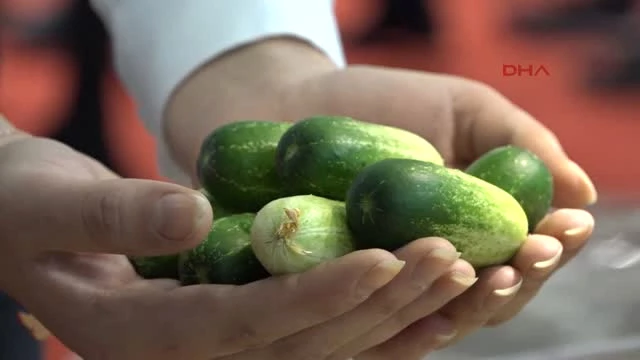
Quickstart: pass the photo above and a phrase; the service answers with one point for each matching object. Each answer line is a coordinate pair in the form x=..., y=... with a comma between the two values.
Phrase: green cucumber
x=236, y=164
x=396, y=201
x=218, y=210
x=322, y=155
x=520, y=173
x=156, y=267
x=225, y=256
x=294, y=234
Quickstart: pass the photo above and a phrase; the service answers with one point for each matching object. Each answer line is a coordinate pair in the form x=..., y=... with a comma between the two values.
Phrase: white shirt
x=158, y=43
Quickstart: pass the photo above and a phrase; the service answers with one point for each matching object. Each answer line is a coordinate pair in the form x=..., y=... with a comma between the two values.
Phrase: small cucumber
x=236, y=164
x=225, y=256
x=396, y=201
x=294, y=234
x=520, y=173
x=322, y=155
x=218, y=210
x=156, y=267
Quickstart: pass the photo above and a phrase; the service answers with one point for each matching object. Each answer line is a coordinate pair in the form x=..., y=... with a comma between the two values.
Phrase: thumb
x=126, y=216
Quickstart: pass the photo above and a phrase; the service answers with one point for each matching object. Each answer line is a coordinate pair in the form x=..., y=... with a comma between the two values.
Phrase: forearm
x=160, y=43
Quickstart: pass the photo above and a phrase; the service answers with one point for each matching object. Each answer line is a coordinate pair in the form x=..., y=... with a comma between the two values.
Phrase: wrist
x=250, y=82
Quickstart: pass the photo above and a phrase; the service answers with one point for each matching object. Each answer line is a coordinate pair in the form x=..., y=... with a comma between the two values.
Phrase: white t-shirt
x=158, y=43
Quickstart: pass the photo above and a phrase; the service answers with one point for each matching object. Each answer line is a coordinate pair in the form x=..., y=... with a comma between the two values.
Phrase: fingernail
x=508, y=291
x=546, y=264
x=445, y=330
x=380, y=275
x=441, y=328
x=578, y=231
x=444, y=255
x=592, y=198
x=445, y=338
x=178, y=215
x=463, y=279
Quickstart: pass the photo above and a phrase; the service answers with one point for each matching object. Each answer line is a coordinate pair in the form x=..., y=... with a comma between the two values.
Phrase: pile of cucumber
x=287, y=197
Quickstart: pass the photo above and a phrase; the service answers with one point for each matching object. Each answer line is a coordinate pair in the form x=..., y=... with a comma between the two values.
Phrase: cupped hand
x=65, y=220
x=462, y=118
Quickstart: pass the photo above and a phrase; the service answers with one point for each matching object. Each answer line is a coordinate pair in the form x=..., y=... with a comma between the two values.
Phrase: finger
x=426, y=259
x=248, y=317
x=415, y=342
x=487, y=120
x=460, y=277
x=565, y=233
x=133, y=217
x=495, y=287
x=572, y=227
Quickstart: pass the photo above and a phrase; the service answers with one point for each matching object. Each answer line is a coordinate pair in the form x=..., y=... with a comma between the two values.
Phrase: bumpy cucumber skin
x=225, y=256
x=520, y=173
x=396, y=201
x=218, y=210
x=156, y=267
x=236, y=164
x=322, y=233
x=322, y=155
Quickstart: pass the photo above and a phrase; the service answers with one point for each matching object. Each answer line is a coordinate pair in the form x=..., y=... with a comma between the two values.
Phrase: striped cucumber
x=322, y=155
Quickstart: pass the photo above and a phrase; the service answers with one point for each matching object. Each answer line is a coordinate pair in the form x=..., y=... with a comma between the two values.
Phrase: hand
x=65, y=218
x=286, y=80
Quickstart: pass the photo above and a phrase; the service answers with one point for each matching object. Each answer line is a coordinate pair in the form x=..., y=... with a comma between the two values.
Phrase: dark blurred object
x=412, y=16
x=16, y=341
x=43, y=24
x=619, y=69
x=576, y=16
x=88, y=43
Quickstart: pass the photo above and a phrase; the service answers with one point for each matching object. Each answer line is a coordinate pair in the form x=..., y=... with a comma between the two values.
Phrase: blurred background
x=573, y=64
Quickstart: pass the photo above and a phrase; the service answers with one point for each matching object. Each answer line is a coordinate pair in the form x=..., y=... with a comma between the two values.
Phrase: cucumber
x=396, y=201
x=225, y=256
x=296, y=233
x=156, y=267
x=322, y=155
x=520, y=173
x=236, y=164
x=218, y=210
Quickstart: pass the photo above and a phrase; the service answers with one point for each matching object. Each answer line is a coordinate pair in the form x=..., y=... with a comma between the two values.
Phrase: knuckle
x=402, y=320
x=478, y=89
x=337, y=303
x=438, y=242
x=320, y=302
x=374, y=256
x=101, y=214
x=387, y=306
